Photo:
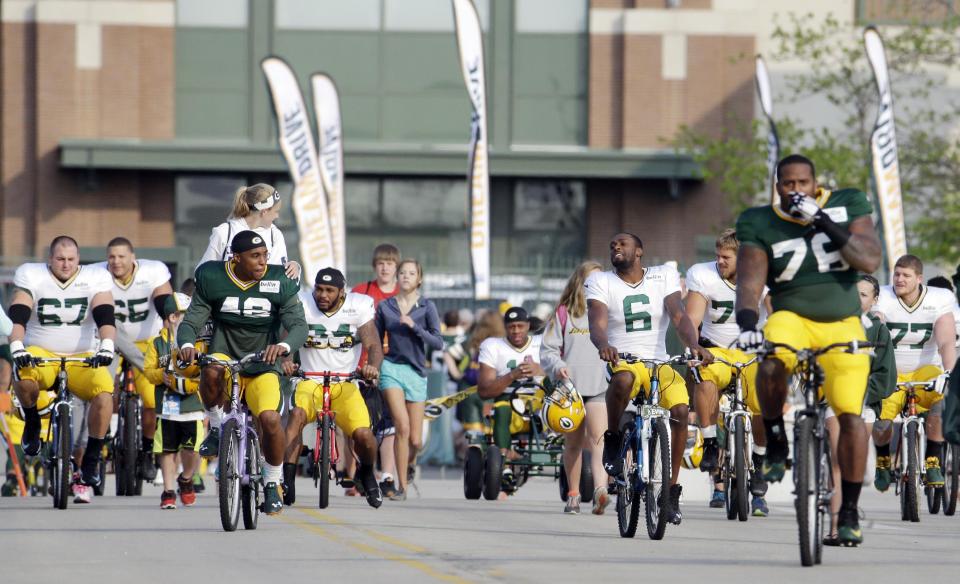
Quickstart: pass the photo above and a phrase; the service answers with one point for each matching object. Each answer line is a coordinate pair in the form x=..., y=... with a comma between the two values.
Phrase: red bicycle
x=325, y=454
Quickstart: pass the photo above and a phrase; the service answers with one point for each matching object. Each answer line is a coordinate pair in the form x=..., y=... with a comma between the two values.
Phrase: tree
x=836, y=70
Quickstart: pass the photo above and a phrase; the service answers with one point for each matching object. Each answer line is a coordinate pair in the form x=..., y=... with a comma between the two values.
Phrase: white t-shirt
x=332, y=340
x=136, y=315
x=637, y=319
x=719, y=324
x=911, y=328
x=62, y=320
x=219, y=247
x=498, y=353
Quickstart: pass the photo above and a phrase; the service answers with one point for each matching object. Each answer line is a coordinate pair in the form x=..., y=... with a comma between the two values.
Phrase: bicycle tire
x=912, y=486
x=628, y=491
x=61, y=459
x=824, y=485
x=740, y=468
x=138, y=416
x=729, y=486
x=473, y=473
x=951, y=466
x=229, y=470
x=657, y=501
x=805, y=461
x=128, y=448
x=250, y=494
x=492, y=473
x=324, y=462
x=586, y=477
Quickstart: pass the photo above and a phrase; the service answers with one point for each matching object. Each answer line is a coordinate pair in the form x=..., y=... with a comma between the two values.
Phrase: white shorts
x=869, y=416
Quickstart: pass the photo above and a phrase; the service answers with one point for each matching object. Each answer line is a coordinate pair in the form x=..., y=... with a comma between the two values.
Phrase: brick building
x=141, y=117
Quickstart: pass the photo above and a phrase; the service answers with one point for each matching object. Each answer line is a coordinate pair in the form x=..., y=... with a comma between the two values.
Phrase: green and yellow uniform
x=813, y=291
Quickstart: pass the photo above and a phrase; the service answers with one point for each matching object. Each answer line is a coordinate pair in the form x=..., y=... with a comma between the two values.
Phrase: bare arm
x=371, y=343
x=751, y=276
x=107, y=331
x=945, y=335
x=696, y=307
x=489, y=385
x=862, y=250
x=685, y=330
x=598, y=314
x=768, y=304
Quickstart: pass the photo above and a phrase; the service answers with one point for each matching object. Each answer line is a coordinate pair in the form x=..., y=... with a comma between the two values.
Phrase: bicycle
x=737, y=463
x=241, y=460
x=325, y=453
x=126, y=444
x=912, y=475
x=950, y=463
x=645, y=434
x=59, y=457
x=812, y=475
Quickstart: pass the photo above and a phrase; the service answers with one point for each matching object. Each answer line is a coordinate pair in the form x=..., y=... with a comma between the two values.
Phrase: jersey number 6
x=638, y=321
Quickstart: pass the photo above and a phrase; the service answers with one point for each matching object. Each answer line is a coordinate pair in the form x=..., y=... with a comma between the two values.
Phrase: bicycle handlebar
x=44, y=360
x=339, y=377
x=677, y=360
x=770, y=348
x=205, y=359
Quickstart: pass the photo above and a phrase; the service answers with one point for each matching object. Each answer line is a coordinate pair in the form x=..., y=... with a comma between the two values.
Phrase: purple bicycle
x=241, y=459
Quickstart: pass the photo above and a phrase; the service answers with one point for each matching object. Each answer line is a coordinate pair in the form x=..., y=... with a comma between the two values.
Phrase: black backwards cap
x=331, y=277
x=245, y=241
x=515, y=314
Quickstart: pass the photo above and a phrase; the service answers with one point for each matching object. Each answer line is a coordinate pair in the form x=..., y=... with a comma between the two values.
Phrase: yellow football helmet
x=563, y=409
x=693, y=451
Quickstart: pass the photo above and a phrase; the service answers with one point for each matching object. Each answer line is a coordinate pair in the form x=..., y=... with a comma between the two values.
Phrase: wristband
x=16, y=346
x=187, y=346
x=747, y=319
x=837, y=234
x=106, y=345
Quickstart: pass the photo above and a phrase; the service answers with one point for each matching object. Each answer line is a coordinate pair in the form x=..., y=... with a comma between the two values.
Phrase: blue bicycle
x=645, y=453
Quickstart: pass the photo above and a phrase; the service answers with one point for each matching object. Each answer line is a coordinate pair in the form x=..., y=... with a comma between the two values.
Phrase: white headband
x=267, y=203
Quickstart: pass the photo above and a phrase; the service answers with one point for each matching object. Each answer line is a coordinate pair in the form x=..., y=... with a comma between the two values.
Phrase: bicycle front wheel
x=805, y=464
x=251, y=494
x=326, y=441
x=128, y=445
x=60, y=467
x=740, y=468
x=229, y=470
x=657, y=492
x=628, y=491
x=911, y=489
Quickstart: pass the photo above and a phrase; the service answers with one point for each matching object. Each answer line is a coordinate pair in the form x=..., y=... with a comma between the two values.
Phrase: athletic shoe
x=147, y=468
x=399, y=495
x=573, y=505
x=168, y=500
x=508, y=483
x=198, y=486
x=90, y=477
x=30, y=442
x=369, y=487
x=934, y=476
x=673, y=512
x=831, y=540
x=711, y=455
x=187, y=495
x=289, y=483
x=848, y=528
x=82, y=493
x=759, y=505
x=758, y=486
x=774, y=466
x=600, y=500
x=411, y=474
x=387, y=486
x=612, y=463
x=883, y=475
x=272, y=499
x=210, y=446
x=718, y=500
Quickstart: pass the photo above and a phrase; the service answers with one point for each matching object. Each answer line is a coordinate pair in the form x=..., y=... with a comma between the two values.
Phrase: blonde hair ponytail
x=246, y=199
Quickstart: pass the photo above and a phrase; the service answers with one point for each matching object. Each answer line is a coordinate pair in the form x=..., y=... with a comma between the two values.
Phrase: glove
x=104, y=355
x=163, y=361
x=940, y=386
x=21, y=358
x=750, y=338
x=803, y=207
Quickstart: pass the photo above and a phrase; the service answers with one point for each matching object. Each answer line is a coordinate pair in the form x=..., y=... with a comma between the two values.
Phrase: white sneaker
x=573, y=505
x=82, y=493
x=600, y=500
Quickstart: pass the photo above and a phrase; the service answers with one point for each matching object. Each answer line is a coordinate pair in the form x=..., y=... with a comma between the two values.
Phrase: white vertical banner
x=296, y=143
x=773, y=140
x=326, y=106
x=883, y=147
x=470, y=45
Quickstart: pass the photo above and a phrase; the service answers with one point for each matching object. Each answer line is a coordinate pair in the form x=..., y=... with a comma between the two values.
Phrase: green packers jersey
x=806, y=273
x=247, y=316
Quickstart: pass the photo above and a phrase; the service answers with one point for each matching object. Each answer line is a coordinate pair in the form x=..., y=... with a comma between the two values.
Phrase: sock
x=934, y=448
x=709, y=431
x=777, y=444
x=365, y=470
x=31, y=419
x=289, y=472
x=147, y=445
x=271, y=473
x=884, y=449
x=851, y=495
x=760, y=450
x=215, y=415
x=91, y=455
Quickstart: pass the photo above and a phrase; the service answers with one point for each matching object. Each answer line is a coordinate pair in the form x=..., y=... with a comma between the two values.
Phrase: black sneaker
x=367, y=485
x=148, y=470
x=673, y=513
x=198, y=486
x=90, y=476
x=711, y=455
x=289, y=483
x=31, y=441
x=758, y=486
x=848, y=528
x=411, y=473
x=387, y=487
x=210, y=447
x=272, y=499
x=612, y=463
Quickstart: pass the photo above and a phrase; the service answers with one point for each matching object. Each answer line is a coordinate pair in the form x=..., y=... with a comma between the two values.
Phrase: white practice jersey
x=911, y=328
x=137, y=317
x=637, y=319
x=332, y=341
x=956, y=322
x=719, y=325
x=62, y=320
x=498, y=353
x=222, y=236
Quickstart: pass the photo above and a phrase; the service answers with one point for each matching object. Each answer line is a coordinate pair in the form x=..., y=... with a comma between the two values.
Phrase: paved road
x=441, y=537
